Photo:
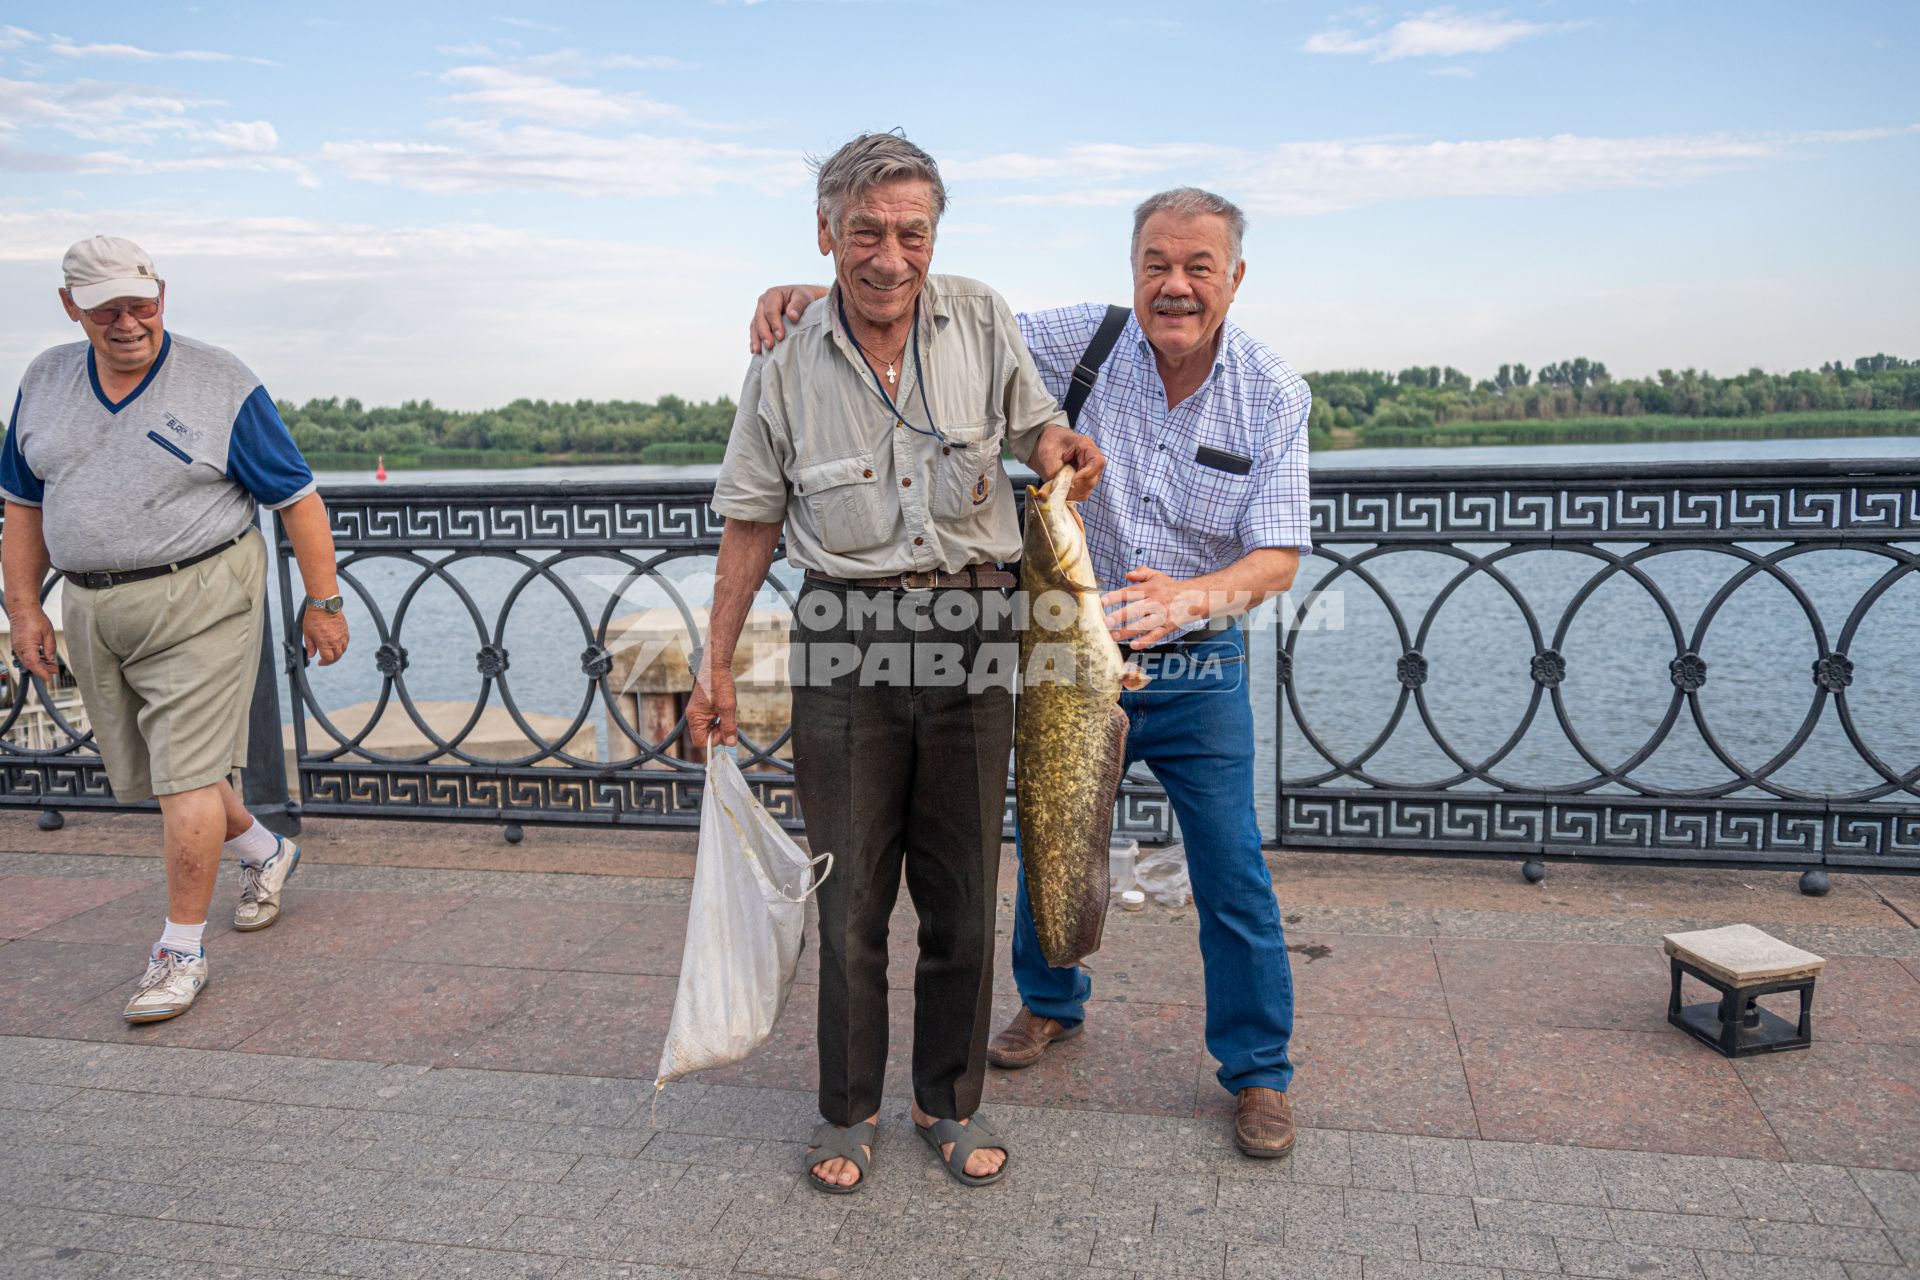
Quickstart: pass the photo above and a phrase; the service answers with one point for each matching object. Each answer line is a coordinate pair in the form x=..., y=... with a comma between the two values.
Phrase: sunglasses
x=108, y=316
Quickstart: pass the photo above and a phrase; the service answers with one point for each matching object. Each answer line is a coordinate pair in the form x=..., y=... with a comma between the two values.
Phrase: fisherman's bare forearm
x=25, y=556
x=746, y=553
x=1248, y=582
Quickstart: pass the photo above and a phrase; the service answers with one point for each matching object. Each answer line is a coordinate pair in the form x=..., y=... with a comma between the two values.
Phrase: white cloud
x=1301, y=178
x=335, y=308
x=12, y=37
x=478, y=156
x=502, y=92
x=1439, y=33
x=66, y=48
x=130, y=128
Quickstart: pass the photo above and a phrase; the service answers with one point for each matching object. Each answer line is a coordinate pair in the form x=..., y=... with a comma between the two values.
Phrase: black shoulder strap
x=1092, y=358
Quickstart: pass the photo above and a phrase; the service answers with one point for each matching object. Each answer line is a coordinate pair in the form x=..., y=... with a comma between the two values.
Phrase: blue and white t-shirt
x=172, y=470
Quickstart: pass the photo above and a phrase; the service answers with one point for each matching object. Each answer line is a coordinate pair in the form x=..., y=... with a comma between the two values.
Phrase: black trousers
x=901, y=763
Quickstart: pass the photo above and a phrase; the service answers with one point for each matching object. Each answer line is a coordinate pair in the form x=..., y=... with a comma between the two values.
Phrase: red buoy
x=380, y=468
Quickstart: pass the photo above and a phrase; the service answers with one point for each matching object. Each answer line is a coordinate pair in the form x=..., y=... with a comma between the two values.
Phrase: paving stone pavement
x=445, y=1070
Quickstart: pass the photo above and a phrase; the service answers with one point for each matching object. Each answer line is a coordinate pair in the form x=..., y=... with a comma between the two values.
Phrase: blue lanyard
x=919, y=375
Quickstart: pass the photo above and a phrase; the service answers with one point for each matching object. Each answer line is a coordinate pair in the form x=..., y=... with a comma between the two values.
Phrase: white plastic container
x=1123, y=855
x=1132, y=900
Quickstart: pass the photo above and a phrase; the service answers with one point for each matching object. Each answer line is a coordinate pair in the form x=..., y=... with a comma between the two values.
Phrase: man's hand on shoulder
x=778, y=306
x=1060, y=446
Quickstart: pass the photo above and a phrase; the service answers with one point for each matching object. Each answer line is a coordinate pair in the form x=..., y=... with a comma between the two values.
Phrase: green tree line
x=669, y=429
x=1574, y=399
x=1421, y=405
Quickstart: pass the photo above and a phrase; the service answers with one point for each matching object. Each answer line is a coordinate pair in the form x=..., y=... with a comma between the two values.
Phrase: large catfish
x=1070, y=735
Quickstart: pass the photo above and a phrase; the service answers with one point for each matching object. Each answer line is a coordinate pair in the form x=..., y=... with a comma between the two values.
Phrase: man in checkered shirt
x=1200, y=515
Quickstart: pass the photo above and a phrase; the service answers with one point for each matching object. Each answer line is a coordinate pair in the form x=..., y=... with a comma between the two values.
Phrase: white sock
x=184, y=939
x=255, y=844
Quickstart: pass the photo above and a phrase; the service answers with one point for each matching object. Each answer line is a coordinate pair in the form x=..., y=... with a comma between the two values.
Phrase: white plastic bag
x=744, y=928
x=1161, y=872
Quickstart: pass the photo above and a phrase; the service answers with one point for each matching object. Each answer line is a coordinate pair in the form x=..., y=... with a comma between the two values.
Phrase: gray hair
x=868, y=161
x=1192, y=202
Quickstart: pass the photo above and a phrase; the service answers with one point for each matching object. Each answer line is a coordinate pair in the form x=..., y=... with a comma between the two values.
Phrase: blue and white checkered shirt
x=1187, y=490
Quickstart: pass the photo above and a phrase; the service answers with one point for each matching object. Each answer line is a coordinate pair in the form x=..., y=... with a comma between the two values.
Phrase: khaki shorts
x=166, y=670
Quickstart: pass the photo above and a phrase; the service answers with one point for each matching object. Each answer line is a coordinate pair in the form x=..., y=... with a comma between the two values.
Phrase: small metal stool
x=1742, y=964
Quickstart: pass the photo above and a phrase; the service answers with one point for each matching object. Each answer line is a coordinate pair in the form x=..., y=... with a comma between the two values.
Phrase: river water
x=1759, y=649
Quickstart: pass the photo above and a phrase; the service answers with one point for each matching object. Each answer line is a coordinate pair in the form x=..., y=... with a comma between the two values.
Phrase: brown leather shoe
x=1262, y=1123
x=1026, y=1038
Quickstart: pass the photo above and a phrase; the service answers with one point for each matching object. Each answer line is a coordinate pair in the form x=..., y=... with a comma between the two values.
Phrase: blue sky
x=581, y=201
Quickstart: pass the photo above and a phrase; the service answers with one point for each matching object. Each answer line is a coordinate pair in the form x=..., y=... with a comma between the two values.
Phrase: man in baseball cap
x=163, y=612
x=102, y=268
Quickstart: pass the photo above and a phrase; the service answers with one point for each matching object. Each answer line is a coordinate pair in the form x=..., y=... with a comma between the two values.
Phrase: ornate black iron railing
x=1728, y=527
x=598, y=549
x=556, y=614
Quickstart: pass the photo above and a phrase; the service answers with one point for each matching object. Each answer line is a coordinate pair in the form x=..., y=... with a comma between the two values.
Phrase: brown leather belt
x=101, y=579
x=974, y=575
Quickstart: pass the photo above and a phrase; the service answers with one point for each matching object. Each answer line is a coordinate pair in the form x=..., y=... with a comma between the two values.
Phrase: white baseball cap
x=102, y=268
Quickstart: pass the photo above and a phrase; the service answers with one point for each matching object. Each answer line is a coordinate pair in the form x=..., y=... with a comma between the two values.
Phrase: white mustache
x=1176, y=307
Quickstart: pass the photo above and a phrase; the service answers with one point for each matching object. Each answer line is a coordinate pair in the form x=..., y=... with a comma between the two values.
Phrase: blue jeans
x=1193, y=726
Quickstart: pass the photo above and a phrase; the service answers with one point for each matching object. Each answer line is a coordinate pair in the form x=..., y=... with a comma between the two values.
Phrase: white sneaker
x=171, y=982
x=260, y=886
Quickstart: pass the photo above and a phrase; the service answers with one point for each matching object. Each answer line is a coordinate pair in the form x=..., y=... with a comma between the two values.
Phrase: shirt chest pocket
x=845, y=500
x=966, y=470
x=1210, y=501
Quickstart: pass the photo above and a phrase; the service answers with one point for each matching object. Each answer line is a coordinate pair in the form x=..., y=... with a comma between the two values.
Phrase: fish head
x=1056, y=539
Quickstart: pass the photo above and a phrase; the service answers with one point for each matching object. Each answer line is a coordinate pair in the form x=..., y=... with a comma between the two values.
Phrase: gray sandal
x=852, y=1144
x=966, y=1139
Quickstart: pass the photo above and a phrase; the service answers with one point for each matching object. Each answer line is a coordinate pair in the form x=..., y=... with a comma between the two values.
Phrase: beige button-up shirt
x=862, y=492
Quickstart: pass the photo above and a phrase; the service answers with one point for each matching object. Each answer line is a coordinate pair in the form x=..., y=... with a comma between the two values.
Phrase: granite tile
x=1849, y=1104
x=512, y=1165
x=1394, y=1075
x=1868, y=999
x=1680, y=1230
x=1141, y=1059
x=1661, y=1183
x=1159, y=1255
x=1627, y=1261
x=1380, y=1161
x=395, y=1012
x=1895, y=1196
x=586, y=1024
x=31, y=903
x=1460, y=1246
x=243, y=994
x=1611, y=1089
x=1406, y=1269
x=1765, y=1266
x=345, y=923
x=543, y=934
x=1265, y=1262
x=643, y=939
x=1541, y=1217
x=42, y=983
x=1809, y=1240
x=1368, y=1205
x=1554, y=984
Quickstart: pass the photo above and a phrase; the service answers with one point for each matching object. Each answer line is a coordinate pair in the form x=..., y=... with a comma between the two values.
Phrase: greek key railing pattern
x=1756, y=520
x=655, y=534
x=1808, y=502
x=651, y=539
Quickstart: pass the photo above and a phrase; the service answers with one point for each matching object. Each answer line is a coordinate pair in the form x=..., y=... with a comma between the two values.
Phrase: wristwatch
x=331, y=604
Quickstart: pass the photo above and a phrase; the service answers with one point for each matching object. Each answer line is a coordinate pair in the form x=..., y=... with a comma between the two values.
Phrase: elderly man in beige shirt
x=874, y=437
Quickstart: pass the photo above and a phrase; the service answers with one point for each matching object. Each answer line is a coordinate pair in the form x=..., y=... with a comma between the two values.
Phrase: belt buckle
x=906, y=581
